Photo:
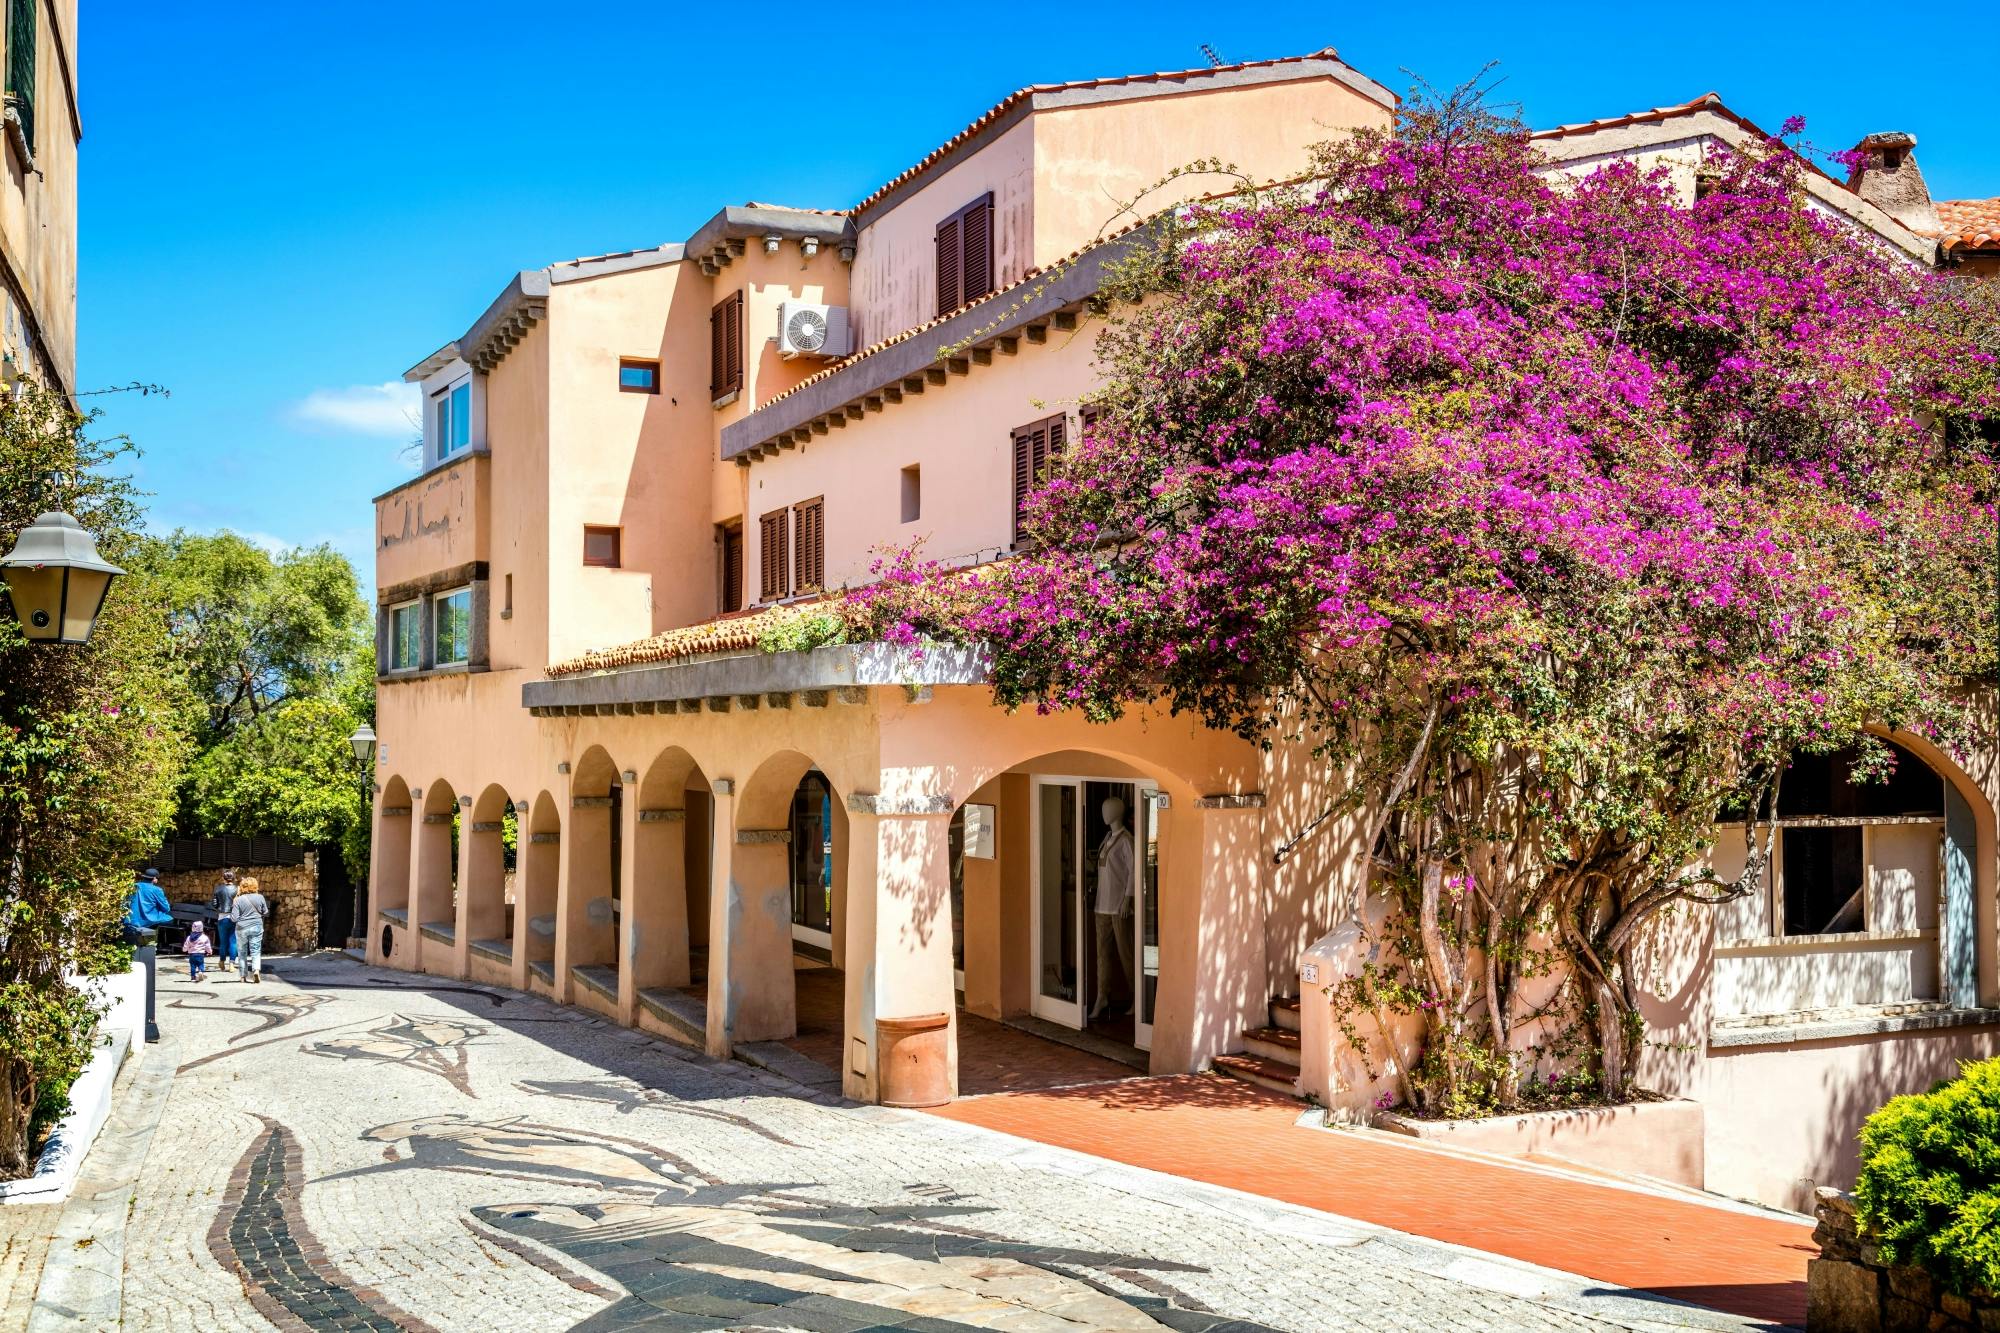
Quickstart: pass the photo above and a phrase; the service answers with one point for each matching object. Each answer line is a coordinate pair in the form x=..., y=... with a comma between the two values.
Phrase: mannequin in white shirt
x=1111, y=911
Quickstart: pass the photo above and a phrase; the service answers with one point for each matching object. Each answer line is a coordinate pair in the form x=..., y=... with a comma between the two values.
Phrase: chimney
x=1884, y=172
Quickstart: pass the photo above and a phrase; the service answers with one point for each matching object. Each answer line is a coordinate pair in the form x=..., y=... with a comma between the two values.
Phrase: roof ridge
x=1007, y=103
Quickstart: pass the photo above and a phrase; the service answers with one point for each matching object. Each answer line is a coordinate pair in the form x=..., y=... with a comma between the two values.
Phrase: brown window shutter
x=976, y=231
x=725, y=346
x=809, y=545
x=732, y=569
x=774, y=557
x=1036, y=448
x=949, y=266
x=735, y=359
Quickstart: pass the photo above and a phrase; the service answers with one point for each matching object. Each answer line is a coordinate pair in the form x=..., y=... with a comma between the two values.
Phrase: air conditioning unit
x=805, y=329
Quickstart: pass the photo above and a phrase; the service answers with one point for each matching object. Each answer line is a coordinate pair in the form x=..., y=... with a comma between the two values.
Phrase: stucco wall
x=38, y=206
x=959, y=434
x=895, y=262
x=1100, y=167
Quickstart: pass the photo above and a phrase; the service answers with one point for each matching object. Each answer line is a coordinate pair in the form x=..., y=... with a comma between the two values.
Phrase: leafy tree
x=92, y=740
x=290, y=773
x=1553, y=514
x=257, y=629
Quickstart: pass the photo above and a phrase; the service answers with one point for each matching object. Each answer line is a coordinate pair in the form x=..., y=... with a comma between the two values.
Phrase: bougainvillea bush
x=1554, y=512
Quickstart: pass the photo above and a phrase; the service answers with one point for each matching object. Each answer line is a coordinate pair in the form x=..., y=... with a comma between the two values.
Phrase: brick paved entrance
x=1209, y=1128
x=992, y=1057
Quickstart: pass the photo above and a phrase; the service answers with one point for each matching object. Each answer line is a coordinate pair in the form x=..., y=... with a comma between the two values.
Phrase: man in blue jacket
x=150, y=909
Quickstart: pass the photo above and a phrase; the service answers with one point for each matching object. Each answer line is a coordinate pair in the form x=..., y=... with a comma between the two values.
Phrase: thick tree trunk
x=17, y=1106
x=1611, y=1039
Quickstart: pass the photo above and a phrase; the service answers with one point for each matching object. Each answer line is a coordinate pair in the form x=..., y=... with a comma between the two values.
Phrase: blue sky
x=283, y=206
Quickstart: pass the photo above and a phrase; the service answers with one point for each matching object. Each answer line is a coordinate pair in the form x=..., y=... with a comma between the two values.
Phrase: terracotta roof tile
x=1969, y=224
x=736, y=633
x=1013, y=100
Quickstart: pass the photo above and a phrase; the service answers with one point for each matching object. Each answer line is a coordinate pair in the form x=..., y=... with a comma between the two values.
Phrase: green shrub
x=1930, y=1178
x=804, y=631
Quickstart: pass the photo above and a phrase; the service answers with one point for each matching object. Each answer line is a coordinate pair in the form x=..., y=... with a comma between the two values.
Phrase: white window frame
x=451, y=417
x=414, y=606
x=437, y=640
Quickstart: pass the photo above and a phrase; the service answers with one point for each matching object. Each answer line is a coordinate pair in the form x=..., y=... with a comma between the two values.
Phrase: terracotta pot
x=913, y=1060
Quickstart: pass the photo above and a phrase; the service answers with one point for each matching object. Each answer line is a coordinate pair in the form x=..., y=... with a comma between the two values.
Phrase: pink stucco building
x=631, y=459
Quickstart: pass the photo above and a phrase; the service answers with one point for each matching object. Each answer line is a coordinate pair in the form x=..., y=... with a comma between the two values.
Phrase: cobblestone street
x=350, y=1149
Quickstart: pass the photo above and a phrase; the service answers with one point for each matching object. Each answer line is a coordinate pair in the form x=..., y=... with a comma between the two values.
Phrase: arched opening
x=489, y=845
x=658, y=924
x=1057, y=896
x=775, y=974
x=1869, y=898
x=434, y=896
x=590, y=900
x=534, y=952
x=389, y=878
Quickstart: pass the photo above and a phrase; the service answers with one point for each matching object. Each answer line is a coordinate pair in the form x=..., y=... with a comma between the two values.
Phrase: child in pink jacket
x=197, y=946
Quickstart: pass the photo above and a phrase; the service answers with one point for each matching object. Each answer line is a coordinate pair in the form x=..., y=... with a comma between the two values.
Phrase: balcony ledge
x=834, y=670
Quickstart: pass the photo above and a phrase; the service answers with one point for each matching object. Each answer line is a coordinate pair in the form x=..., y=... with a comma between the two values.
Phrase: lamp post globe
x=363, y=741
x=57, y=580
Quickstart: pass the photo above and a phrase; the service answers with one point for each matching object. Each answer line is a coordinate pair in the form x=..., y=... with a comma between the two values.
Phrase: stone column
x=1213, y=978
x=898, y=929
x=751, y=996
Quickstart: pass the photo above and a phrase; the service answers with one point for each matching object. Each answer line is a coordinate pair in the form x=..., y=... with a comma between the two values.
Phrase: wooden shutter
x=809, y=544
x=23, y=45
x=773, y=556
x=1036, y=449
x=949, y=267
x=732, y=569
x=976, y=231
x=725, y=347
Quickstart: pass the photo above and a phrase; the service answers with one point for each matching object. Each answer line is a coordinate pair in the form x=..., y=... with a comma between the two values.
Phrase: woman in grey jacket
x=249, y=912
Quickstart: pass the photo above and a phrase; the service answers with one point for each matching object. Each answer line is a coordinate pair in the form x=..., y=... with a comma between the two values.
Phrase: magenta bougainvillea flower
x=1549, y=513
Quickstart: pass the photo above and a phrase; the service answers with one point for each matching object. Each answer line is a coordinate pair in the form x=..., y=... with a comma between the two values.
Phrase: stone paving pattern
x=396, y=1154
x=1205, y=1127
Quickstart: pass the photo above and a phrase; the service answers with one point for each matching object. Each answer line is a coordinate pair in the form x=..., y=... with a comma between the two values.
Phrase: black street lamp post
x=363, y=743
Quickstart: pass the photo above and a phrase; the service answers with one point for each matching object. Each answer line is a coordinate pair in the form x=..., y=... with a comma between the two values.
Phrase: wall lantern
x=363, y=744
x=810, y=245
x=57, y=580
x=771, y=239
x=847, y=252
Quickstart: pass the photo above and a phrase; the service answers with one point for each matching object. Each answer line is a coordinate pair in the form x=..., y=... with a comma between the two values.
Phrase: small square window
x=913, y=493
x=636, y=376
x=600, y=547
x=453, y=627
x=406, y=637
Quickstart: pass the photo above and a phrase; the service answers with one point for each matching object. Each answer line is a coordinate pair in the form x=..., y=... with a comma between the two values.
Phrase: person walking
x=197, y=946
x=250, y=912
x=225, y=925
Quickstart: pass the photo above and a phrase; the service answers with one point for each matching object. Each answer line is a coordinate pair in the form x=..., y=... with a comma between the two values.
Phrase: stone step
x=544, y=968
x=679, y=1011
x=1270, y=1074
x=500, y=951
x=1285, y=1012
x=1279, y=1044
x=444, y=932
x=597, y=977
x=395, y=916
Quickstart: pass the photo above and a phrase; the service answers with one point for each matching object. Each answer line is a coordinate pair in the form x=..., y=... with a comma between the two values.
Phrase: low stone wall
x=1849, y=1289
x=292, y=891
x=1661, y=1139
